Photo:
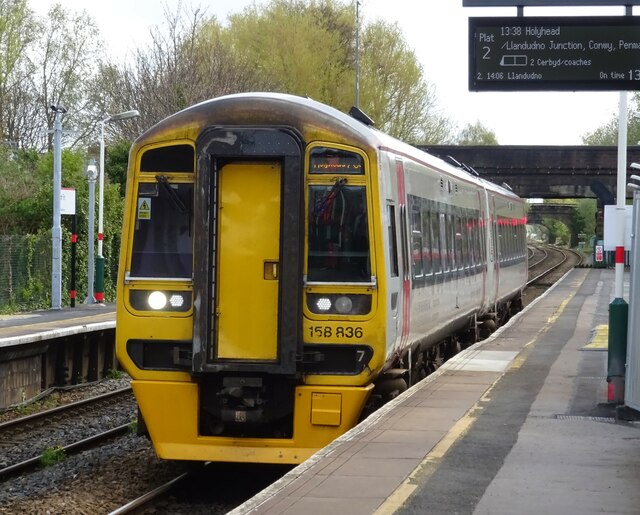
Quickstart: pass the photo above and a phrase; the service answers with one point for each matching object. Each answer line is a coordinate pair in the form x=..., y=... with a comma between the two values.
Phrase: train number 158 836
x=324, y=331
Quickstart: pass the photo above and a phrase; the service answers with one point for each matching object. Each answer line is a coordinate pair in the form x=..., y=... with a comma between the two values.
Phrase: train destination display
x=554, y=54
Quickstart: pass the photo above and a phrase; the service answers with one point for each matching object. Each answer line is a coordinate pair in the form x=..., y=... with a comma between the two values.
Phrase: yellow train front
x=248, y=308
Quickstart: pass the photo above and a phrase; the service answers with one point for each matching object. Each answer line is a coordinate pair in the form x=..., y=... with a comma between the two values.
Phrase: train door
x=393, y=287
x=248, y=260
x=405, y=293
x=248, y=235
x=495, y=247
x=487, y=210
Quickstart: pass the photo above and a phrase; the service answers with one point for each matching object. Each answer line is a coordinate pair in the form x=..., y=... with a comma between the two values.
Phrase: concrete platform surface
x=54, y=323
x=518, y=423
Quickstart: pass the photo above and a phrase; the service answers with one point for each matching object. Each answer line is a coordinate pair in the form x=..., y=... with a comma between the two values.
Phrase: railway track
x=26, y=441
x=149, y=498
x=537, y=255
x=547, y=266
x=553, y=258
x=192, y=492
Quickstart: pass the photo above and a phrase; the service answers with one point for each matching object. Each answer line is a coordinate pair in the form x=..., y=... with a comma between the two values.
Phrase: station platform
x=518, y=423
x=43, y=325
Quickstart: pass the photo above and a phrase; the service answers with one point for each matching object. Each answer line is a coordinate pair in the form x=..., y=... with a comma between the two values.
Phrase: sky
x=437, y=30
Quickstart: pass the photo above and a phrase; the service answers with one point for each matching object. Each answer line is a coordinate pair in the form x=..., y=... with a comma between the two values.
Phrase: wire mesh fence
x=25, y=271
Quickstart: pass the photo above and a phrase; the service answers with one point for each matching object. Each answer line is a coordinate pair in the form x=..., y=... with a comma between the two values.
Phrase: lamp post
x=92, y=175
x=125, y=115
x=618, y=308
x=56, y=228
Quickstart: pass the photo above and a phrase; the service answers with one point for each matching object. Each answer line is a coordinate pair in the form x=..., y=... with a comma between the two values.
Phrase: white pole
x=99, y=293
x=621, y=188
x=618, y=308
x=91, y=178
x=357, y=54
x=101, y=192
x=56, y=228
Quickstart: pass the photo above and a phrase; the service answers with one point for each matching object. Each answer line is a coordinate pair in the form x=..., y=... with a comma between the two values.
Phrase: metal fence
x=25, y=272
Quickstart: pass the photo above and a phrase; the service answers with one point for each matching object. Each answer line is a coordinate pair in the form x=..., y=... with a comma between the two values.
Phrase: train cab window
x=163, y=233
x=174, y=158
x=338, y=234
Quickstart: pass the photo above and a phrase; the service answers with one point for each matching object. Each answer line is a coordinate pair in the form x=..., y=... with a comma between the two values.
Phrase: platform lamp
x=99, y=286
x=92, y=175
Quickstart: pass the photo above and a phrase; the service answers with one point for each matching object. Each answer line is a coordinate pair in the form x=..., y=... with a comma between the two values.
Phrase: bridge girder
x=563, y=212
x=542, y=171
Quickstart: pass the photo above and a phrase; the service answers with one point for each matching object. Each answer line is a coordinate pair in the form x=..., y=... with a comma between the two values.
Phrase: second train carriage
x=284, y=265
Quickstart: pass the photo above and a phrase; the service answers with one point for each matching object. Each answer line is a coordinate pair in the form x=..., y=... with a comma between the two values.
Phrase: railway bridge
x=548, y=172
x=563, y=212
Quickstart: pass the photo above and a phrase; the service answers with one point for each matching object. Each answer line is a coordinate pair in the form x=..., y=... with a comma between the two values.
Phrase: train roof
x=313, y=119
x=261, y=109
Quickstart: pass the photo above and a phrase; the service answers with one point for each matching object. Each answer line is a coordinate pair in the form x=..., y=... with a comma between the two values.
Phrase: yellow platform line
x=599, y=338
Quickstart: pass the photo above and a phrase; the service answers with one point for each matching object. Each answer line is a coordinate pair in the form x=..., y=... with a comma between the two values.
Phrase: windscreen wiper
x=327, y=200
x=164, y=182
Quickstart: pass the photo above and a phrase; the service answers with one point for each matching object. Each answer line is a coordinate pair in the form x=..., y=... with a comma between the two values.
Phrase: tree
x=17, y=33
x=21, y=203
x=308, y=48
x=67, y=59
x=45, y=61
x=477, y=134
x=394, y=91
x=116, y=160
x=607, y=134
x=186, y=63
x=586, y=216
x=302, y=48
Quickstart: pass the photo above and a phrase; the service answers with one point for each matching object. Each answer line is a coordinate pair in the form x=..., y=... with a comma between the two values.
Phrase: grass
x=52, y=455
x=51, y=401
x=114, y=373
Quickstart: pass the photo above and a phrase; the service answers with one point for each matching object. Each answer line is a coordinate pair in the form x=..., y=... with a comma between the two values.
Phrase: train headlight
x=344, y=305
x=339, y=304
x=176, y=300
x=323, y=304
x=157, y=300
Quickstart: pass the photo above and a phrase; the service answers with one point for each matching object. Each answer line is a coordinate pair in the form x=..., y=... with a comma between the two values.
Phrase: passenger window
x=393, y=242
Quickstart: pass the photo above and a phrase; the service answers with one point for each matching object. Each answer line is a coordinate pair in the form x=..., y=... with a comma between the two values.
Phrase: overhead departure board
x=553, y=3
x=554, y=54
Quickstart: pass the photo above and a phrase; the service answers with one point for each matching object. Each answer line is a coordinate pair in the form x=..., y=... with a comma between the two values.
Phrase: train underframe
x=193, y=425
x=425, y=357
